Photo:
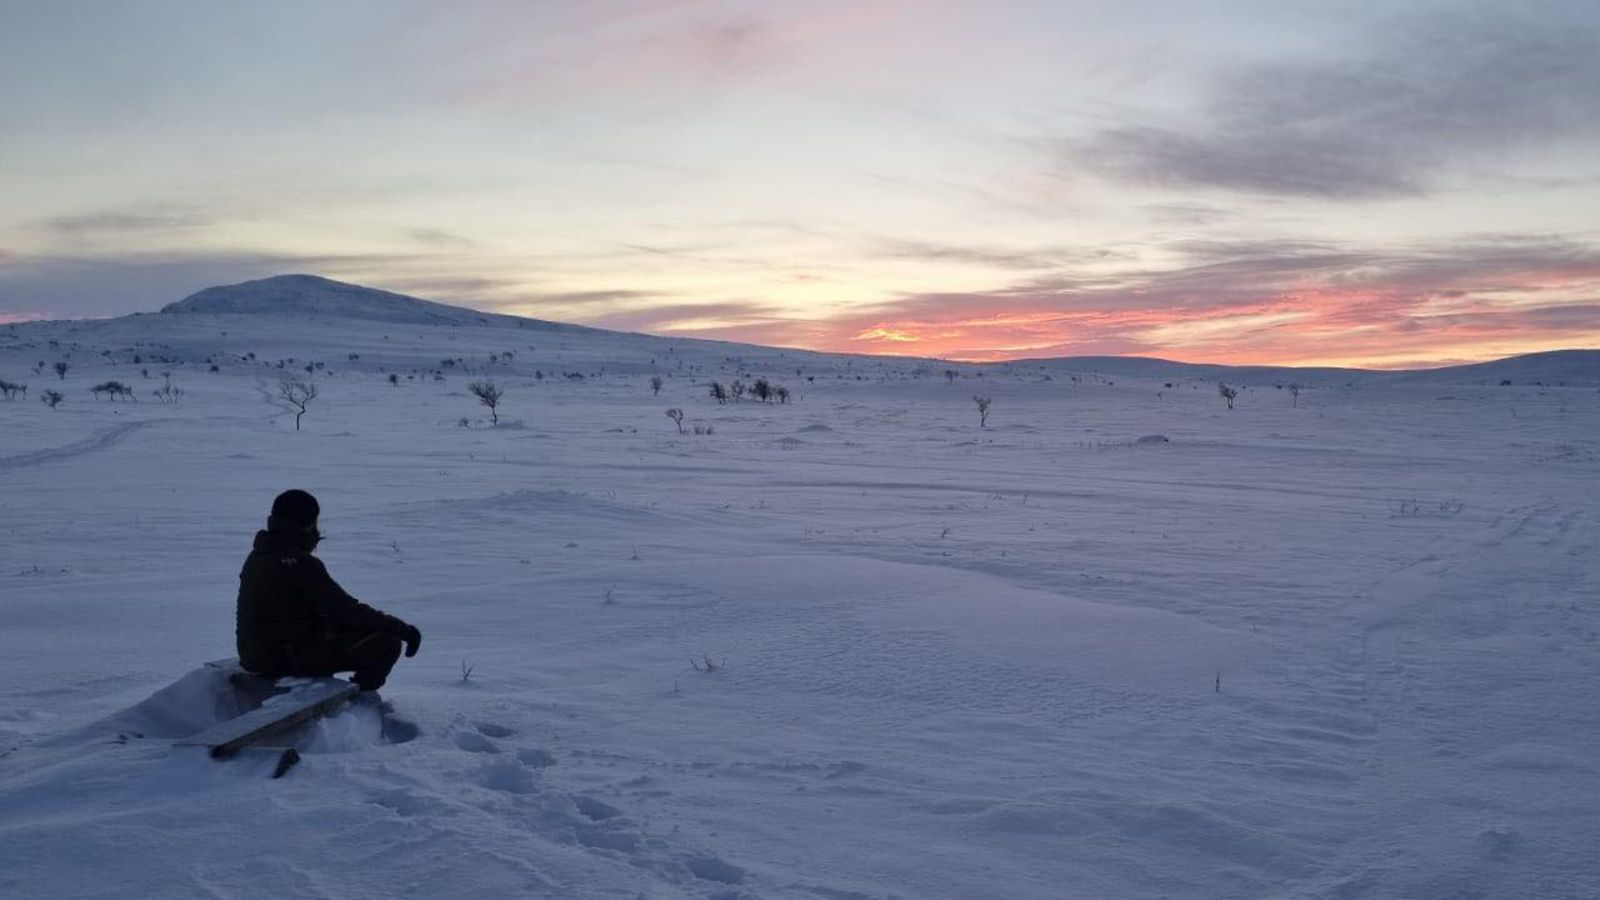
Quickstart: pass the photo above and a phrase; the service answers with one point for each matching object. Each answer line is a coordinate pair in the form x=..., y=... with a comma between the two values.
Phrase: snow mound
x=199, y=699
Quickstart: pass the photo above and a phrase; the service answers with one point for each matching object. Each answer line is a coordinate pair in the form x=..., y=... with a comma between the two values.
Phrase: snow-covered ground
x=1341, y=646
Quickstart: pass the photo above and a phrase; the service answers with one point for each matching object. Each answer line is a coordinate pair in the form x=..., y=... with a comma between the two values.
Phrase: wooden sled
x=277, y=709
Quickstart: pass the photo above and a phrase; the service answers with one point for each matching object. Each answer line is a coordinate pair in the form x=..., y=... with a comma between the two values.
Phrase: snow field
x=1340, y=650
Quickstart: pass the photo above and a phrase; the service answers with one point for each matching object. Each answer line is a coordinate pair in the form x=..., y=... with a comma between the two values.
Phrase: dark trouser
x=369, y=656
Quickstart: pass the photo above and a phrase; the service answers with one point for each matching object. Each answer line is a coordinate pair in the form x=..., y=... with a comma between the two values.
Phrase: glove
x=413, y=639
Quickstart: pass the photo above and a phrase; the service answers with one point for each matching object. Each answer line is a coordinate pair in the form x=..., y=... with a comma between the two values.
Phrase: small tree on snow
x=719, y=393
x=762, y=389
x=1227, y=393
x=782, y=393
x=488, y=393
x=298, y=393
x=983, y=410
x=1294, y=395
x=676, y=415
x=950, y=376
x=736, y=390
x=61, y=370
x=655, y=386
x=51, y=398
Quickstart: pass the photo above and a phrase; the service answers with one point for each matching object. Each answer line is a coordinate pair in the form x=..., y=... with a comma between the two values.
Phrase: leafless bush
x=782, y=393
x=51, y=399
x=1227, y=393
x=983, y=410
x=298, y=393
x=676, y=415
x=112, y=389
x=762, y=389
x=655, y=385
x=950, y=376
x=719, y=393
x=61, y=370
x=11, y=390
x=1294, y=394
x=168, y=392
x=702, y=429
x=736, y=390
x=488, y=393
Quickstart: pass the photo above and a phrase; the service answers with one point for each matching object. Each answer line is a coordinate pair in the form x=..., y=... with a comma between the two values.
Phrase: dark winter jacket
x=288, y=600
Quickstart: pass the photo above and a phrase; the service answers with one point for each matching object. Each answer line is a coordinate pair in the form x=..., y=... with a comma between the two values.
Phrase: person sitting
x=294, y=619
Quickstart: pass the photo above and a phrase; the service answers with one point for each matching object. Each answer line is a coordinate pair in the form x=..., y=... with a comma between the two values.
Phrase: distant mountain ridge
x=315, y=297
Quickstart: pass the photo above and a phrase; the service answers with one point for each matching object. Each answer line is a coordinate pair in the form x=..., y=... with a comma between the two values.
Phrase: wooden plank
x=296, y=706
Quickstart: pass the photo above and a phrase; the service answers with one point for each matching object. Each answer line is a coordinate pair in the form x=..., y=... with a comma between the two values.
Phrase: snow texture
x=854, y=646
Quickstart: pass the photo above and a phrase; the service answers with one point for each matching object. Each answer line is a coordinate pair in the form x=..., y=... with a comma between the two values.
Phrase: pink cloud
x=1299, y=307
x=615, y=48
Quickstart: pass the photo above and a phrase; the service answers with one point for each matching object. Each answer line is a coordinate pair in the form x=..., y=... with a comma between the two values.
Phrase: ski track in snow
x=1339, y=650
x=102, y=439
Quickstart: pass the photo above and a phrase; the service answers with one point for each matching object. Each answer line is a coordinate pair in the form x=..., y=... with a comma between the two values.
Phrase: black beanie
x=296, y=507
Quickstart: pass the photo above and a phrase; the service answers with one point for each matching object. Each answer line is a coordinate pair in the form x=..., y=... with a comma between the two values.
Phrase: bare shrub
x=762, y=389
x=736, y=390
x=983, y=410
x=1226, y=393
x=112, y=389
x=11, y=389
x=51, y=399
x=719, y=393
x=782, y=393
x=168, y=392
x=676, y=415
x=61, y=370
x=655, y=385
x=298, y=393
x=488, y=393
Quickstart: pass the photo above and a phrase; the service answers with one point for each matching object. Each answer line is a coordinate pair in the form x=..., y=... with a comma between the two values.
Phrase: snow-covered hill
x=1332, y=643
x=310, y=296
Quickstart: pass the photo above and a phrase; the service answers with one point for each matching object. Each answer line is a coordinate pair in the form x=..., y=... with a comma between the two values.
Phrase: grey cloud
x=1478, y=85
x=121, y=222
x=1041, y=258
x=437, y=238
x=746, y=314
x=90, y=287
x=594, y=297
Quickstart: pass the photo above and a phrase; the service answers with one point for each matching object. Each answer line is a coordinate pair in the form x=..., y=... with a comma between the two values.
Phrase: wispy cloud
x=435, y=237
x=613, y=48
x=996, y=257
x=1476, y=85
x=114, y=222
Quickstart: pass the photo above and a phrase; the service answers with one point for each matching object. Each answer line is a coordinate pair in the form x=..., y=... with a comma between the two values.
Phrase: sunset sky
x=1359, y=183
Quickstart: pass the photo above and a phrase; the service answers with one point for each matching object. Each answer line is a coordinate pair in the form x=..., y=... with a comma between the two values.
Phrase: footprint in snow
x=595, y=810
x=536, y=757
x=509, y=776
x=711, y=868
x=494, y=730
x=473, y=742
